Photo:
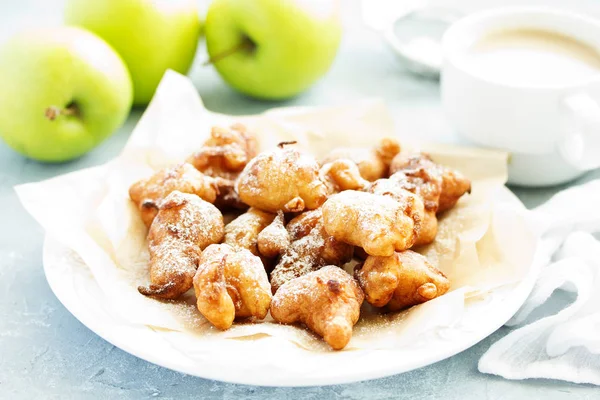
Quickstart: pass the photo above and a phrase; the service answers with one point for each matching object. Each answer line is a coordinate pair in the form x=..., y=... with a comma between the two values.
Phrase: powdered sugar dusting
x=274, y=178
x=376, y=223
x=184, y=226
x=299, y=259
x=244, y=230
x=307, y=251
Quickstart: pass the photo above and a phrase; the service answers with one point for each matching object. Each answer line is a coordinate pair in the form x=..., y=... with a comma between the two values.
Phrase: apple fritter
x=327, y=301
x=400, y=189
x=401, y=280
x=243, y=231
x=282, y=179
x=372, y=163
x=223, y=156
x=340, y=175
x=411, y=203
x=149, y=192
x=440, y=187
x=231, y=283
x=310, y=248
x=274, y=239
x=226, y=152
x=184, y=226
x=378, y=224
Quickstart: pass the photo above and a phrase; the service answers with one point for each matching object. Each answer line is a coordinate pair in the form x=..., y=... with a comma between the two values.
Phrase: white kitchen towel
x=565, y=345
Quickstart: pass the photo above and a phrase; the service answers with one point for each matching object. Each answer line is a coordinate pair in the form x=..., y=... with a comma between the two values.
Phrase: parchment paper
x=478, y=246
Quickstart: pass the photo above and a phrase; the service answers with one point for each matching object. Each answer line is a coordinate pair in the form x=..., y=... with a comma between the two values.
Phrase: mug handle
x=580, y=143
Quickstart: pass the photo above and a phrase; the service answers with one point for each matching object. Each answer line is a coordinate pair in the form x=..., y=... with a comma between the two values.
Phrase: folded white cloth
x=566, y=345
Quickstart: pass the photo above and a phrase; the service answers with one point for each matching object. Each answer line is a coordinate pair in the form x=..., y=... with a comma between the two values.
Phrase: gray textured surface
x=46, y=353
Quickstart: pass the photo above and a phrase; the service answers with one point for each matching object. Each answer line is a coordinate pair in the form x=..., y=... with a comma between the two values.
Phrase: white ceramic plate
x=76, y=289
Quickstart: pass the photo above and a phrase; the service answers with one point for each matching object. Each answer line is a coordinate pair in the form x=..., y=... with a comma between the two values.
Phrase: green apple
x=272, y=49
x=63, y=91
x=150, y=35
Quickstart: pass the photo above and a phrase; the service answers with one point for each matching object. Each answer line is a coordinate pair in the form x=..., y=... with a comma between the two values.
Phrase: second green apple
x=272, y=49
x=151, y=36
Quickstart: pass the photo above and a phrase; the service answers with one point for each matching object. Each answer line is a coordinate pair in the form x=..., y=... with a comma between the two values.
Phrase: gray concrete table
x=46, y=353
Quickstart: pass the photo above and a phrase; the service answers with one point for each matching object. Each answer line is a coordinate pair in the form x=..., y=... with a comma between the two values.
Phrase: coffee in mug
x=526, y=80
x=533, y=57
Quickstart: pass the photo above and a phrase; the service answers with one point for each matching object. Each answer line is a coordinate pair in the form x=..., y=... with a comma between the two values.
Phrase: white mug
x=551, y=131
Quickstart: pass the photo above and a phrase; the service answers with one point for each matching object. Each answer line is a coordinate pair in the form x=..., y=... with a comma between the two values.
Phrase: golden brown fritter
x=327, y=301
x=428, y=230
x=184, y=226
x=454, y=186
x=282, y=179
x=439, y=186
x=226, y=152
x=340, y=175
x=231, y=283
x=310, y=248
x=378, y=224
x=400, y=188
x=223, y=156
x=411, y=203
x=243, y=231
x=274, y=239
x=148, y=193
x=372, y=163
x=401, y=280
x=228, y=198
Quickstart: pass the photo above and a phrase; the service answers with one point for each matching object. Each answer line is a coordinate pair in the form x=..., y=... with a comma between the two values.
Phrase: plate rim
x=520, y=292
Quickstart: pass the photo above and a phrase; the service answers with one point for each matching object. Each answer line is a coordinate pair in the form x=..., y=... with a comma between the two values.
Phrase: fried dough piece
x=184, y=226
x=372, y=163
x=431, y=178
x=243, y=231
x=411, y=203
x=454, y=186
x=400, y=189
x=427, y=184
x=148, y=193
x=282, y=179
x=231, y=283
x=376, y=223
x=327, y=301
x=228, y=197
x=223, y=156
x=226, y=152
x=274, y=239
x=401, y=280
x=340, y=175
x=310, y=248
x=428, y=230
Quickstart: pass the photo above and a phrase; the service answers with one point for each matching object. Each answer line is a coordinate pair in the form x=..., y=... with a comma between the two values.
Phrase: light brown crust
x=412, y=204
x=243, y=231
x=223, y=156
x=440, y=187
x=149, y=192
x=372, y=163
x=184, y=226
x=282, y=179
x=226, y=152
x=231, y=283
x=274, y=239
x=376, y=223
x=400, y=281
x=310, y=248
x=327, y=301
x=340, y=175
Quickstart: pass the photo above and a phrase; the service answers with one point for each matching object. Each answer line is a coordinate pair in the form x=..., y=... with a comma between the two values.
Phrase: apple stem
x=53, y=112
x=245, y=45
x=282, y=144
